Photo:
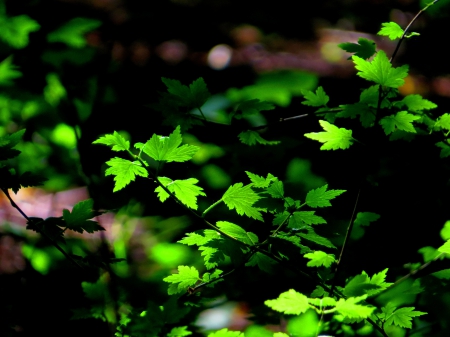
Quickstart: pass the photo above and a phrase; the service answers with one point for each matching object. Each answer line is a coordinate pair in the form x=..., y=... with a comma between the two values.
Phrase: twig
x=55, y=244
x=407, y=27
x=347, y=237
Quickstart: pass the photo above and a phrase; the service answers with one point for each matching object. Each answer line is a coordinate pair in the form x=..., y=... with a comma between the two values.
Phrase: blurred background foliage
x=72, y=70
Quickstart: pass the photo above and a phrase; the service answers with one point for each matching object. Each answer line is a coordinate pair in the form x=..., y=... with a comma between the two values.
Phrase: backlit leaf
x=401, y=121
x=242, y=198
x=186, y=277
x=333, y=138
x=115, y=140
x=124, y=171
x=185, y=190
x=289, y=302
x=320, y=197
x=319, y=259
x=391, y=29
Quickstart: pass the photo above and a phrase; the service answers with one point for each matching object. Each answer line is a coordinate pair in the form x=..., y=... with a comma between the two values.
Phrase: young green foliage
x=242, y=198
x=320, y=197
x=168, y=149
x=350, y=309
x=185, y=190
x=299, y=219
x=226, y=333
x=401, y=121
x=78, y=219
x=380, y=70
x=124, y=171
x=320, y=98
x=237, y=232
x=193, y=96
x=8, y=72
x=445, y=148
x=391, y=30
x=443, y=122
x=415, y=103
x=15, y=30
x=364, y=48
x=362, y=284
x=261, y=182
x=401, y=317
x=251, y=137
x=180, y=331
x=334, y=138
x=319, y=259
x=115, y=140
x=365, y=218
x=186, y=277
x=289, y=302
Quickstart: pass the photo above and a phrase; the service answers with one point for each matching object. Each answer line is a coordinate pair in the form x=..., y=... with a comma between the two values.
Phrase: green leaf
x=8, y=72
x=8, y=142
x=180, y=331
x=186, y=277
x=320, y=98
x=193, y=96
x=305, y=217
x=380, y=70
x=401, y=121
x=445, y=248
x=392, y=30
x=226, y=333
x=319, y=259
x=322, y=302
x=443, y=122
x=251, y=137
x=349, y=308
x=15, y=30
x=263, y=262
x=237, y=232
x=78, y=219
x=72, y=33
x=445, y=152
x=276, y=190
x=403, y=317
x=366, y=113
x=242, y=198
x=365, y=218
x=200, y=238
x=364, y=49
x=115, y=140
x=261, y=182
x=208, y=277
x=280, y=334
x=167, y=148
x=416, y=103
x=320, y=197
x=362, y=284
x=124, y=171
x=251, y=107
x=333, y=138
x=317, y=239
x=185, y=190
x=290, y=303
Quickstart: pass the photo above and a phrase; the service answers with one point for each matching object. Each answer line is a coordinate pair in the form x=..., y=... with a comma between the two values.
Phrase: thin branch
x=407, y=28
x=55, y=244
x=347, y=238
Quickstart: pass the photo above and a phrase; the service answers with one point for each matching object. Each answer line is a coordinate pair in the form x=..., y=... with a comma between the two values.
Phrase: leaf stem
x=407, y=28
x=211, y=207
x=347, y=238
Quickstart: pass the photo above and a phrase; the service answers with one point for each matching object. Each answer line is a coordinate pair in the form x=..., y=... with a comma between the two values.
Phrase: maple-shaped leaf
x=251, y=107
x=211, y=256
x=200, y=238
x=276, y=190
x=261, y=182
x=185, y=190
x=125, y=171
x=226, y=333
x=401, y=121
x=167, y=148
x=365, y=48
x=350, y=309
x=380, y=70
x=115, y=140
x=242, y=198
x=391, y=30
x=73, y=32
x=180, y=331
x=316, y=238
x=289, y=302
x=365, y=218
x=208, y=277
x=251, y=137
x=359, y=285
x=78, y=219
x=237, y=232
x=263, y=262
x=305, y=217
x=186, y=277
x=402, y=317
x=320, y=98
x=445, y=152
x=365, y=112
x=333, y=138
x=319, y=259
x=8, y=72
x=320, y=197
x=193, y=96
x=416, y=103
x=15, y=30
x=443, y=122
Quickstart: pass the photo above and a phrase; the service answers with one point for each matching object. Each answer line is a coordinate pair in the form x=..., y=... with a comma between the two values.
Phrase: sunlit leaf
x=242, y=198
x=401, y=121
x=289, y=302
x=186, y=277
x=334, y=138
x=115, y=140
x=124, y=171
x=185, y=190
x=391, y=29
x=319, y=259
